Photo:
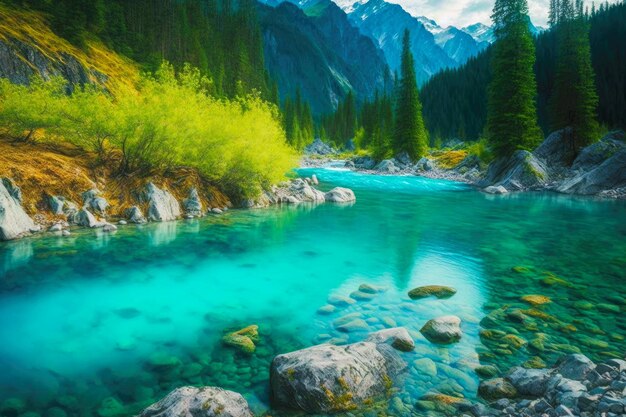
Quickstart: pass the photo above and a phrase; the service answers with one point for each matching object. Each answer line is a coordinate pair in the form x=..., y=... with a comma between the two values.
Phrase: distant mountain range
x=327, y=48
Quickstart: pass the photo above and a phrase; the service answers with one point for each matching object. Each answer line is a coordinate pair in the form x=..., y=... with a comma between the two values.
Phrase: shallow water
x=99, y=324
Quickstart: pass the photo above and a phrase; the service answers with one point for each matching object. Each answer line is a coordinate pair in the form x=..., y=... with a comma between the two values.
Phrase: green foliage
x=340, y=127
x=481, y=149
x=511, y=110
x=298, y=121
x=173, y=121
x=220, y=38
x=410, y=135
x=574, y=101
x=454, y=99
x=377, y=121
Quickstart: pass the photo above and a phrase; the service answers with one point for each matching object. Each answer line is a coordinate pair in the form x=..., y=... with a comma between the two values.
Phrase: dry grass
x=32, y=28
x=449, y=159
x=41, y=171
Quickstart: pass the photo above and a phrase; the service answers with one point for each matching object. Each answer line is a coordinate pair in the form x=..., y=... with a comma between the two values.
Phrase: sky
x=461, y=13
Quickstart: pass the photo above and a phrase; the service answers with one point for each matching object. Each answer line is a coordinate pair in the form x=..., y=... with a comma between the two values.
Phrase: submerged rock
x=439, y=291
x=14, y=222
x=443, y=330
x=497, y=388
x=200, y=402
x=397, y=337
x=162, y=206
x=340, y=195
x=328, y=378
x=243, y=339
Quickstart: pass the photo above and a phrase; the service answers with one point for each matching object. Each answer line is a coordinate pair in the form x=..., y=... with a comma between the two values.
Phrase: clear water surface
x=104, y=324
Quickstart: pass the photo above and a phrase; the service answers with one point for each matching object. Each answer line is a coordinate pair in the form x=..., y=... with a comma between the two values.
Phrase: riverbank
x=44, y=189
x=598, y=170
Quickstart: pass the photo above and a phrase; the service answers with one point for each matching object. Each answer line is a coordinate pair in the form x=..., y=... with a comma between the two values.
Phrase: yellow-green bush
x=172, y=121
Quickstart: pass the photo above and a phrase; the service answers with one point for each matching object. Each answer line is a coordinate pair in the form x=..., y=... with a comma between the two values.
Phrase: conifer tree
x=511, y=111
x=410, y=135
x=574, y=101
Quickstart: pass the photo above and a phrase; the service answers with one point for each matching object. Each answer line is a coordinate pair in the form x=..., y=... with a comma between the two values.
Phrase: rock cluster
x=14, y=222
x=302, y=191
x=598, y=169
x=574, y=387
x=319, y=147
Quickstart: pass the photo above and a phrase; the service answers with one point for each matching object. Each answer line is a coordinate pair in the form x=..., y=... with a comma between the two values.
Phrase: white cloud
x=465, y=12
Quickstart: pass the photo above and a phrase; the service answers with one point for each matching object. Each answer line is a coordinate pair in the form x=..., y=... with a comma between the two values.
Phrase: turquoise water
x=105, y=324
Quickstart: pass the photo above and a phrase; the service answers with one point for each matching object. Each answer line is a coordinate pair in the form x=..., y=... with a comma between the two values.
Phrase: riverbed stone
x=426, y=366
x=439, y=291
x=328, y=378
x=245, y=339
x=443, y=330
x=199, y=402
x=327, y=309
x=340, y=300
x=497, y=388
x=531, y=382
x=340, y=195
x=398, y=337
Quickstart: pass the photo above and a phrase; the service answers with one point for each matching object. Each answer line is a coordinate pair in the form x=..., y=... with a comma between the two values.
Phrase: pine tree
x=574, y=101
x=512, y=116
x=410, y=135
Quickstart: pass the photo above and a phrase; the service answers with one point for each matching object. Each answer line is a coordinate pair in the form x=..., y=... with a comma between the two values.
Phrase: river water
x=104, y=324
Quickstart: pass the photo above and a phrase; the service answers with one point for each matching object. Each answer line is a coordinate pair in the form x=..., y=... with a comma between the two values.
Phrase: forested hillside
x=455, y=104
x=224, y=42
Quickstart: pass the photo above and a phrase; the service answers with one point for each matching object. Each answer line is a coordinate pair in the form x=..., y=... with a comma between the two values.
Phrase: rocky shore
x=151, y=204
x=598, y=170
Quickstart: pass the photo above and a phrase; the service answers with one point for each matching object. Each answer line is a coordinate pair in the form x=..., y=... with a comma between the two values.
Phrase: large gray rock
x=522, y=171
x=558, y=149
x=135, y=215
x=318, y=147
x=596, y=153
x=424, y=164
x=530, y=382
x=84, y=218
x=14, y=222
x=608, y=175
x=575, y=366
x=329, y=378
x=193, y=205
x=497, y=388
x=162, y=205
x=388, y=166
x=443, y=330
x=340, y=195
x=364, y=162
x=93, y=201
x=199, y=402
x=13, y=189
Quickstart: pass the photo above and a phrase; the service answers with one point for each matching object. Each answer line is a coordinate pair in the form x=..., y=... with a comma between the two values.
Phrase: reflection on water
x=117, y=320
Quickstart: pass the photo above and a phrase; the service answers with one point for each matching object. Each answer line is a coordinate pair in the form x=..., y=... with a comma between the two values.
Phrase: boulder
x=596, y=153
x=522, y=171
x=424, y=164
x=162, y=206
x=134, y=215
x=575, y=366
x=439, y=291
x=364, y=162
x=610, y=174
x=199, y=402
x=14, y=222
x=558, y=149
x=94, y=202
x=387, y=166
x=495, y=189
x=495, y=389
x=530, y=382
x=84, y=218
x=340, y=195
x=13, y=189
x=443, y=330
x=193, y=205
x=397, y=337
x=56, y=203
x=329, y=378
x=319, y=147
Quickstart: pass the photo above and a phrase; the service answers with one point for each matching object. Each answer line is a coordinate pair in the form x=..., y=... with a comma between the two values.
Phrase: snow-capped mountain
x=480, y=32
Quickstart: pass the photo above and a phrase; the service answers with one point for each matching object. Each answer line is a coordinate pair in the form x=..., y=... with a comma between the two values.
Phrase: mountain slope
x=317, y=50
x=385, y=23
